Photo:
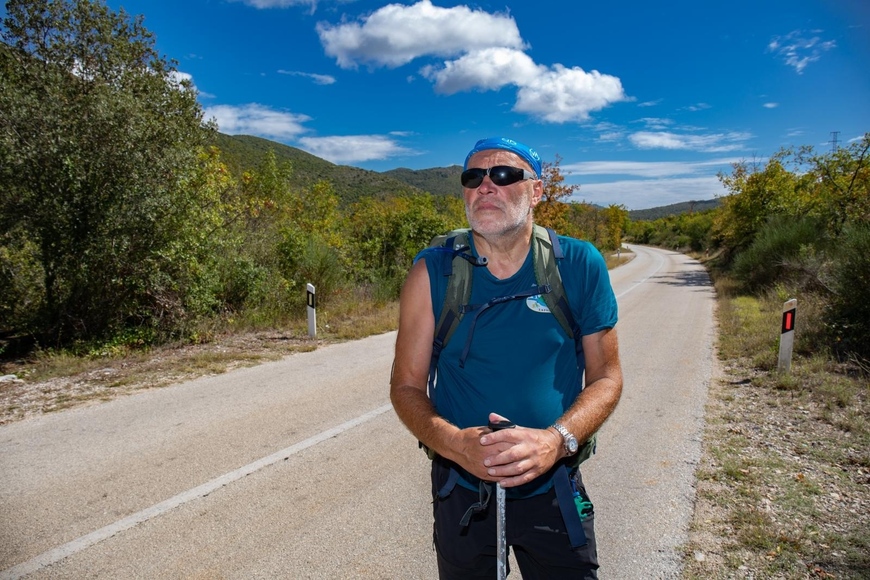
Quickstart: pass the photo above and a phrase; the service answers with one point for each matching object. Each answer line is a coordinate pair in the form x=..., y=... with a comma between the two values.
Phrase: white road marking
x=659, y=267
x=57, y=554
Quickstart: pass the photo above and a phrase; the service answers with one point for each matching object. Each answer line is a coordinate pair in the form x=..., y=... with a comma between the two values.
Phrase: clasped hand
x=510, y=457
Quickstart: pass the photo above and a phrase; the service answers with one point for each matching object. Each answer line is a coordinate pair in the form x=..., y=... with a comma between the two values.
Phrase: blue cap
x=530, y=155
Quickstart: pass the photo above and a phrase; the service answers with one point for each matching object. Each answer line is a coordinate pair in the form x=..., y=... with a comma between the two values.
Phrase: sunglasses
x=500, y=175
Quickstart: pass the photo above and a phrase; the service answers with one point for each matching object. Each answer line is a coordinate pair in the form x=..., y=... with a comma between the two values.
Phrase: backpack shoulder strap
x=445, y=249
x=547, y=256
x=458, y=286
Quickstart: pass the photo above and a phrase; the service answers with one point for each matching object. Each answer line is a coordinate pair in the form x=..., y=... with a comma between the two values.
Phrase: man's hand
x=516, y=456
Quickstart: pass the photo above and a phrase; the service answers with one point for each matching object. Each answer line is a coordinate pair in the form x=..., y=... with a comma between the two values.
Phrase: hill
x=437, y=181
x=672, y=210
x=244, y=152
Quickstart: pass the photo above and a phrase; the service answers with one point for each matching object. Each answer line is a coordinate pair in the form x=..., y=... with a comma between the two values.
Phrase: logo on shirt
x=537, y=304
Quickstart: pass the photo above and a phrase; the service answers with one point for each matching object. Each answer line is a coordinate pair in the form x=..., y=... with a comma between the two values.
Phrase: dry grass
x=54, y=381
x=783, y=488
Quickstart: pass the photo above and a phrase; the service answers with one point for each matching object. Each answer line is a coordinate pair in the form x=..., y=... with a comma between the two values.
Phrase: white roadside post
x=312, y=312
x=786, y=338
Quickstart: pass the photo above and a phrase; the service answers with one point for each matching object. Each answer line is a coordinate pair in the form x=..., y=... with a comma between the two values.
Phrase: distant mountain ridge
x=245, y=152
x=673, y=209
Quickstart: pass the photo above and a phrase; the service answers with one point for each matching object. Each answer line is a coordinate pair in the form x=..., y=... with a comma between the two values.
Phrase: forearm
x=603, y=386
x=415, y=410
x=592, y=408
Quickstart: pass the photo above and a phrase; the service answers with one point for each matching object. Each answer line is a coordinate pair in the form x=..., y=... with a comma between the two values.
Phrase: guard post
x=786, y=337
x=312, y=311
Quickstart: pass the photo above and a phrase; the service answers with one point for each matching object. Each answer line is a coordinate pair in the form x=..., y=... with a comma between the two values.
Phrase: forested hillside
x=673, y=210
x=244, y=153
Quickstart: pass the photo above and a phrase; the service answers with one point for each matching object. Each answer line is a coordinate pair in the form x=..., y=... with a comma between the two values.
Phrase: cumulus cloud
x=488, y=69
x=256, y=119
x=353, y=148
x=396, y=34
x=556, y=94
x=567, y=94
x=713, y=143
x=799, y=48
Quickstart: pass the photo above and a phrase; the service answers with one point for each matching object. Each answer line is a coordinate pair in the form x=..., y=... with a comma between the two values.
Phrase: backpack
x=547, y=253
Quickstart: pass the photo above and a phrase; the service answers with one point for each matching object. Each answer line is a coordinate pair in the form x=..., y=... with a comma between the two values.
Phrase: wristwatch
x=568, y=439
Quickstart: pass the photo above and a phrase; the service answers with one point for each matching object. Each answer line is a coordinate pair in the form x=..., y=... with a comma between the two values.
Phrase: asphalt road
x=300, y=468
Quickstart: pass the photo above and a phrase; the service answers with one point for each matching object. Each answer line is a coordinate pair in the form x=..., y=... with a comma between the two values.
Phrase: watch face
x=572, y=445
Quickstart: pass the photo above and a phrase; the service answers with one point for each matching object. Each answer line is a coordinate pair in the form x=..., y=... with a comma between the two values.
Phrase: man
x=512, y=362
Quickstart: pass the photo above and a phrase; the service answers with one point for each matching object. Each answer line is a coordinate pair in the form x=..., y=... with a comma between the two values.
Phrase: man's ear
x=537, y=192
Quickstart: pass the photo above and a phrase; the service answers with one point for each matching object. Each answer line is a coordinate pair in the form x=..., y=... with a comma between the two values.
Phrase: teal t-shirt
x=520, y=362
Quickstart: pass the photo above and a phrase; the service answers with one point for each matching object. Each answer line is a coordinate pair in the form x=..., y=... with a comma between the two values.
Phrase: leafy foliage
x=850, y=306
x=97, y=139
x=795, y=226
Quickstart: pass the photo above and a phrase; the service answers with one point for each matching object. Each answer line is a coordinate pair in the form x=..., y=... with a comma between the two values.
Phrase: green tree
x=98, y=141
x=616, y=217
x=837, y=184
x=553, y=211
x=755, y=195
x=386, y=235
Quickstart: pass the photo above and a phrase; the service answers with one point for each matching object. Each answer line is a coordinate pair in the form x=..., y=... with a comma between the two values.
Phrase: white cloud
x=256, y=119
x=798, y=50
x=488, y=69
x=353, y=148
x=656, y=124
x=396, y=34
x=318, y=79
x=770, y=105
x=647, y=193
x=611, y=136
x=486, y=52
x=698, y=107
x=648, y=169
x=649, y=103
x=713, y=143
x=556, y=94
x=563, y=94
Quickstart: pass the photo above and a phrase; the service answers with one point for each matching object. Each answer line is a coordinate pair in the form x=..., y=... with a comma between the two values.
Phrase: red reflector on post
x=788, y=320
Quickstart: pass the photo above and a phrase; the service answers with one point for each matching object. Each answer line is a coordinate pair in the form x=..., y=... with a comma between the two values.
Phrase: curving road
x=300, y=469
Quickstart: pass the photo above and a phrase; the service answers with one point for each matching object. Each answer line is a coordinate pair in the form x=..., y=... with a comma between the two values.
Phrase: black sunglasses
x=500, y=175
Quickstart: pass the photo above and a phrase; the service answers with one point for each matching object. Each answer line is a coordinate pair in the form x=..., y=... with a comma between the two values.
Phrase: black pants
x=535, y=531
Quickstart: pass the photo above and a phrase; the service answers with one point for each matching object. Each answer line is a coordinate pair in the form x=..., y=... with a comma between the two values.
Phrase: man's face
x=497, y=210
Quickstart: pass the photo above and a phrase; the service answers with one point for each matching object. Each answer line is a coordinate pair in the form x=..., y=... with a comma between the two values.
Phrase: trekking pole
x=501, y=537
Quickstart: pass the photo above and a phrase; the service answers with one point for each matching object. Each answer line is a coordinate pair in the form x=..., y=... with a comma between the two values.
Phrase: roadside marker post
x=312, y=311
x=786, y=337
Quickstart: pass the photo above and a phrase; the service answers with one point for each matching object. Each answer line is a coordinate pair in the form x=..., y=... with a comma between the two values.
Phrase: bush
x=851, y=285
x=785, y=249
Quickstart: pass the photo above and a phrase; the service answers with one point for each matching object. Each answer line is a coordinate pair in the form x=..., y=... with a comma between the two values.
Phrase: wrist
x=570, y=445
x=558, y=442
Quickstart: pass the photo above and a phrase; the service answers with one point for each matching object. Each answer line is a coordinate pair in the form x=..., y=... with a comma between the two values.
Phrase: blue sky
x=645, y=102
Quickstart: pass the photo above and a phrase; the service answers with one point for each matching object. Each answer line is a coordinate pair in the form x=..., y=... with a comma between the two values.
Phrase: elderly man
x=512, y=360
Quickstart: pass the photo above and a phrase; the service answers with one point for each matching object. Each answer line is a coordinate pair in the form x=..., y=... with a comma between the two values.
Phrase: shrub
x=851, y=285
x=785, y=249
